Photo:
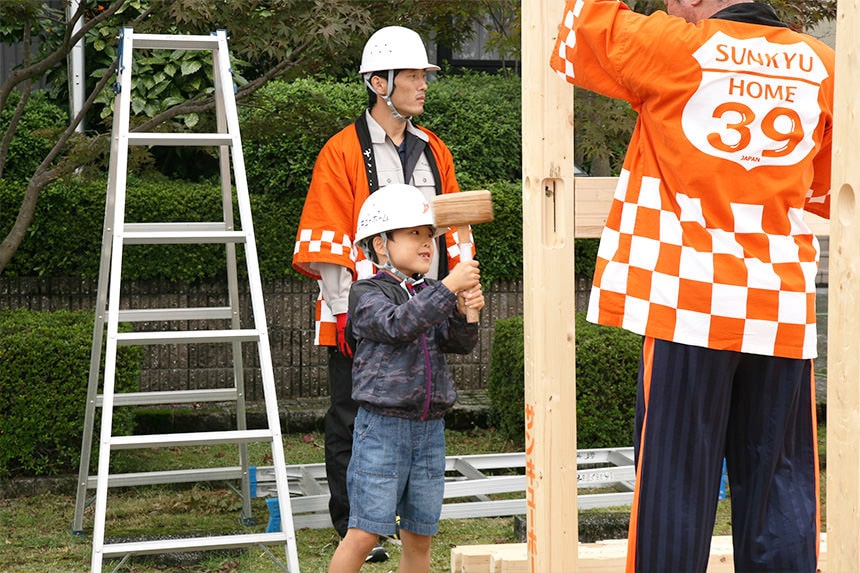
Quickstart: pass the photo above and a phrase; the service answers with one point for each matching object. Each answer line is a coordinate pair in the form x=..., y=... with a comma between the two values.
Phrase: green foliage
x=286, y=39
x=36, y=134
x=602, y=131
x=503, y=26
x=607, y=362
x=506, y=379
x=500, y=243
x=285, y=125
x=585, y=255
x=162, y=78
x=478, y=117
x=276, y=223
x=802, y=15
x=14, y=14
x=44, y=365
x=65, y=238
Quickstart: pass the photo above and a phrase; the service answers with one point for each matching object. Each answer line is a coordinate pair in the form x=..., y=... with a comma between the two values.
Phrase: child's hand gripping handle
x=461, y=210
x=472, y=315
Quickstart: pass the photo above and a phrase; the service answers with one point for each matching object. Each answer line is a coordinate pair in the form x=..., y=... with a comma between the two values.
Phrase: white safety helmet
x=394, y=48
x=389, y=49
x=395, y=206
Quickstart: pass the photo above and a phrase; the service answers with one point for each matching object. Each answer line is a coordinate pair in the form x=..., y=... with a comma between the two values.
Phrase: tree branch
x=19, y=110
x=13, y=125
x=43, y=176
x=38, y=69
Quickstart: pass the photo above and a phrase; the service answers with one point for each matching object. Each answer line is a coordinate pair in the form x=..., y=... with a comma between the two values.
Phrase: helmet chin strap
x=387, y=97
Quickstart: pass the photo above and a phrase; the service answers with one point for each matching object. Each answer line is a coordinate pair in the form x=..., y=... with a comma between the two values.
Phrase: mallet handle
x=472, y=315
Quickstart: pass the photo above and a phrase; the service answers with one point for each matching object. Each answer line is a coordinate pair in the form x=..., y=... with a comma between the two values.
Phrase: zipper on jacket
x=427, y=374
x=428, y=377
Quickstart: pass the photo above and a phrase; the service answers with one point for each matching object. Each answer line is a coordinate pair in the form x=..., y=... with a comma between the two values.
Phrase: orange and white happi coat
x=705, y=243
x=338, y=188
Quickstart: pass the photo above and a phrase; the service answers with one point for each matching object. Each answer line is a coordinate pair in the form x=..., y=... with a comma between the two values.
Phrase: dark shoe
x=377, y=555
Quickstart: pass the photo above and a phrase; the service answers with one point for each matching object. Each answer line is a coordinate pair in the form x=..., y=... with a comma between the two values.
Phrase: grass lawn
x=36, y=530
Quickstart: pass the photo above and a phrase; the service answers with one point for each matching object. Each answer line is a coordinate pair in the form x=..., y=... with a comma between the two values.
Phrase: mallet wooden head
x=465, y=208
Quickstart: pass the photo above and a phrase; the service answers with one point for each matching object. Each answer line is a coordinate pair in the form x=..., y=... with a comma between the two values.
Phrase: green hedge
x=607, y=362
x=66, y=234
x=479, y=117
x=286, y=124
x=283, y=127
x=36, y=135
x=44, y=367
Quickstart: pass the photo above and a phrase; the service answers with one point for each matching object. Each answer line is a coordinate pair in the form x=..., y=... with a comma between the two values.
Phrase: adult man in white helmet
x=382, y=147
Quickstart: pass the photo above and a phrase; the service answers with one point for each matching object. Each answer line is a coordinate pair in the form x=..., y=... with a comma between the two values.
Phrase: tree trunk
x=16, y=234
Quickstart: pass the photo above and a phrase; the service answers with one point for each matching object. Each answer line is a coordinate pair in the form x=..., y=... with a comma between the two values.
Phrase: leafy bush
x=285, y=125
x=36, y=134
x=585, y=255
x=66, y=234
x=506, y=380
x=607, y=362
x=44, y=366
x=478, y=116
x=500, y=242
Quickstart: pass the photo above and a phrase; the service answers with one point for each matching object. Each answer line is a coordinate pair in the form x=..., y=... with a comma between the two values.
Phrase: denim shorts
x=397, y=469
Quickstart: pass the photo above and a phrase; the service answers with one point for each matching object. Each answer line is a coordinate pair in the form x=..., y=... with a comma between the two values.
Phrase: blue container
x=724, y=483
x=275, y=515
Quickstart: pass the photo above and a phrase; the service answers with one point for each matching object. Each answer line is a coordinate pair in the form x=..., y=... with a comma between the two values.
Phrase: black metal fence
x=300, y=368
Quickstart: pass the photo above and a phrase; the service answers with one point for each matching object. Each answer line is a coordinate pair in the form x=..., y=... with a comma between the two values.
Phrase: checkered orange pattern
x=324, y=246
x=669, y=275
x=705, y=242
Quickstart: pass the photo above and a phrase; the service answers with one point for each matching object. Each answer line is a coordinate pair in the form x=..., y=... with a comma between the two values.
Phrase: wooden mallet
x=461, y=210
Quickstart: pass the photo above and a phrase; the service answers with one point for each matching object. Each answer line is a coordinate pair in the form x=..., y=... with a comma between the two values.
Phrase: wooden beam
x=843, y=342
x=600, y=557
x=548, y=262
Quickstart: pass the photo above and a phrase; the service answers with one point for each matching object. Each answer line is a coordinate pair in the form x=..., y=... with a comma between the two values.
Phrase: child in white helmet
x=402, y=324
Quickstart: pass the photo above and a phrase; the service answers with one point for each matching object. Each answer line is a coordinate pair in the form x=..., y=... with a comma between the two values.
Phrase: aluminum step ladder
x=111, y=311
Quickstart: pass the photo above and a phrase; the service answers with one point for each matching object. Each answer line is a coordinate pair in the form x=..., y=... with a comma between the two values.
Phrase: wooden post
x=548, y=262
x=843, y=342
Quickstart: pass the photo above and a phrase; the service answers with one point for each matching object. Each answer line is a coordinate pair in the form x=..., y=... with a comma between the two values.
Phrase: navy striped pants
x=696, y=406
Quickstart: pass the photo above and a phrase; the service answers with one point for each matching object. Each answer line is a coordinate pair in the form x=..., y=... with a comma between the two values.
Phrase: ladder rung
x=171, y=397
x=163, y=314
x=186, y=336
x=189, y=439
x=179, y=139
x=176, y=226
x=182, y=237
x=175, y=42
x=193, y=543
x=169, y=476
